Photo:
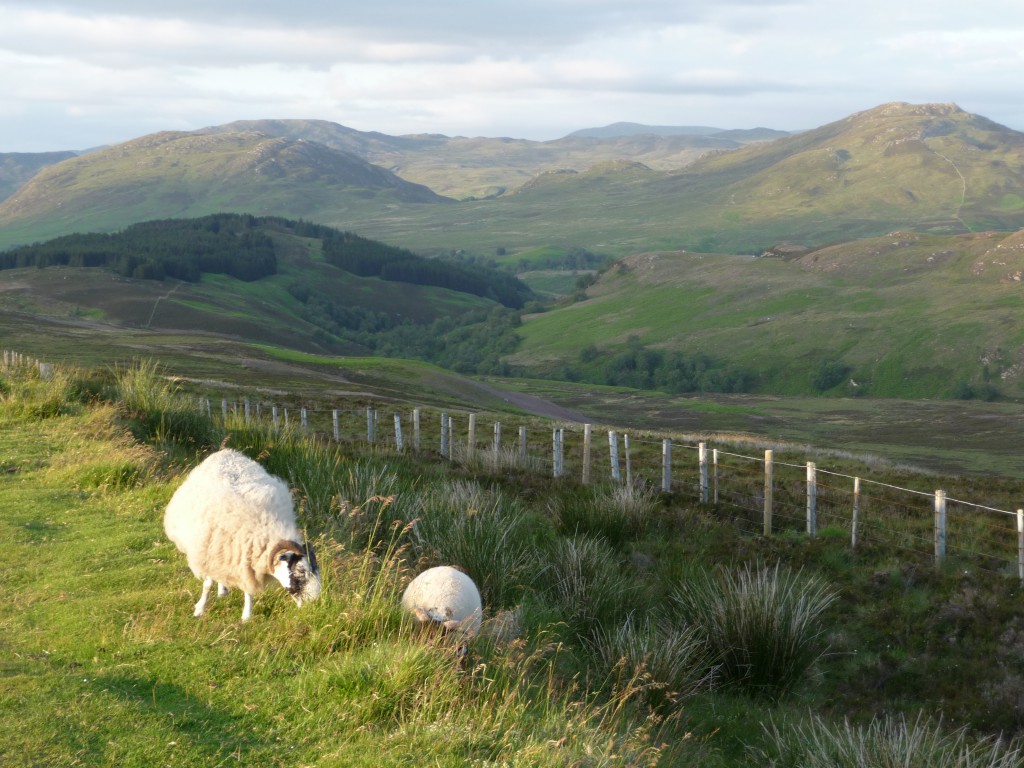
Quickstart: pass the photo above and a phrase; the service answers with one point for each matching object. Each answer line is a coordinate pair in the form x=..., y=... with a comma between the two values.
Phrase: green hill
x=904, y=315
x=182, y=175
x=16, y=168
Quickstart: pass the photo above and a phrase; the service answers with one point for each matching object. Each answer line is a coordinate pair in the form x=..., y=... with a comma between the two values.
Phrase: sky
x=77, y=75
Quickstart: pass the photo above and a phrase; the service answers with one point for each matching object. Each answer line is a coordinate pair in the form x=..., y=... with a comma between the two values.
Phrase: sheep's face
x=296, y=568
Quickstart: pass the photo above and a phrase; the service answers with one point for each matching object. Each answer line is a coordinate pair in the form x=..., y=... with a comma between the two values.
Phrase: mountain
x=16, y=168
x=174, y=174
x=931, y=167
x=481, y=167
x=639, y=129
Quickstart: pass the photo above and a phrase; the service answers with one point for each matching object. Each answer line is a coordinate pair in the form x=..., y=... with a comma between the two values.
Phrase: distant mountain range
x=929, y=167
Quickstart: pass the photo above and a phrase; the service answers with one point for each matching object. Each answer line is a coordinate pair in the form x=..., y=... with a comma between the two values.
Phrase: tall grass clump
x=487, y=532
x=616, y=513
x=585, y=584
x=882, y=743
x=155, y=406
x=675, y=658
x=763, y=625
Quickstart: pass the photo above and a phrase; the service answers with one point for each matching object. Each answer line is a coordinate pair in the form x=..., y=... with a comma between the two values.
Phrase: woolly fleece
x=228, y=518
x=446, y=595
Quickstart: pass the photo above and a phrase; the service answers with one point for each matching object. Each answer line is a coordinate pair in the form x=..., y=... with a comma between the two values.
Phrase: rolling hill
x=175, y=174
x=903, y=315
x=16, y=168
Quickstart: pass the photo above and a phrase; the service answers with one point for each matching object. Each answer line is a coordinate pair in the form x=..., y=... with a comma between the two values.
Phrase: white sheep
x=446, y=596
x=236, y=525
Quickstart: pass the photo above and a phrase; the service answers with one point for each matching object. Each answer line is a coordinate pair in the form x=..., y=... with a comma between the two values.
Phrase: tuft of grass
x=616, y=513
x=763, y=625
x=884, y=742
x=487, y=532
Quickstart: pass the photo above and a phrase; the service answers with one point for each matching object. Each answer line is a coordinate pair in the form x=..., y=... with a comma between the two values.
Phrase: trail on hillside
x=532, y=404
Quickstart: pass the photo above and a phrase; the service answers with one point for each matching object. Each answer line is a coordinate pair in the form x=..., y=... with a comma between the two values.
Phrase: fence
x=758, y=494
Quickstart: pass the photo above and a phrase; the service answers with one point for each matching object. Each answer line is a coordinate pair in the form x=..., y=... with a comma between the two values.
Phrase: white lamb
x=236, y=525
x=447, y=596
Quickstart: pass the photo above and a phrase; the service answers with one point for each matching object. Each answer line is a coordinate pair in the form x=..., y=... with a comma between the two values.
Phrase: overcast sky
x=76, y=74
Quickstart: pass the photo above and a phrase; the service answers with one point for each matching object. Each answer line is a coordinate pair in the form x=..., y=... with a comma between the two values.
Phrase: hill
x=174, y=174
x=905, y=315
x=16, y=168
x=481, y=167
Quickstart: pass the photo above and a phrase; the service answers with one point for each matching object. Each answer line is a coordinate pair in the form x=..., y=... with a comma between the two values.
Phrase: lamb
x=235, y=523
x=447, y=596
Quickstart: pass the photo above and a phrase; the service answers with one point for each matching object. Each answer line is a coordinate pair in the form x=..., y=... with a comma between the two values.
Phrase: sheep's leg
x=201, y=605
x=221, y=590
x=247, y=608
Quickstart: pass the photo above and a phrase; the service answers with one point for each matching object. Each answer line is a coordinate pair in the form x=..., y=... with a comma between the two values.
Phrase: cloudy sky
x=76, y=74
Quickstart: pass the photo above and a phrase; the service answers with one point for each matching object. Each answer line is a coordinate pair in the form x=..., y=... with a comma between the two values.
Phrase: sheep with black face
x=236, y=525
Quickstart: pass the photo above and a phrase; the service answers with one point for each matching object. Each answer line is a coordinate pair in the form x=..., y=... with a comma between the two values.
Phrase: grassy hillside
x=903, y=315
x=16, y=168
x=614, y=656
x=931, y=168
x=179, y=175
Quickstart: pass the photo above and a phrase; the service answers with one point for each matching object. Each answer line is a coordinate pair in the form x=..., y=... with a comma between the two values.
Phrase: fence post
x=1020, y=545
x=334, y=423
x=497, y=438
x=629, y=463
x=613, y=451
x=248, y=410
x=940, y=527
x=444, y=434
x=522, y=445
x=398, y=432
x=856, y=513
x=416, y=429
x=666, y=466
x=451, y=437
x=224, y=407
x=702, y=459
x=273, y=416
x=587, y=436
x=812, y=499
x=303, y=419
x=714, y=461
x=556, y=451
x=768, y=455
x=471, y=438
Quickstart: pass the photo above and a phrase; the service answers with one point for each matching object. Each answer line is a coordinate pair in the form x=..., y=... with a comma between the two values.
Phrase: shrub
x=762, y=625
x=586, y=586
x=883, y=743
x=485, y=531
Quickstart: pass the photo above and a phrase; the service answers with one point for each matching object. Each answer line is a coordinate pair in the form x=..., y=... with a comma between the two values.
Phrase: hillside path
x=532, y=404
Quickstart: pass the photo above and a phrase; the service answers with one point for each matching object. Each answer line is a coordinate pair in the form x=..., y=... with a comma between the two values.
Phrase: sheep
x=235, y=523
x=447, y=596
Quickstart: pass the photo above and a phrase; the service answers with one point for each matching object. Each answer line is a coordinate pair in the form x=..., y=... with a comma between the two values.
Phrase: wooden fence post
x=768, y=455
x=812, y=499
x=224, y=408
x=940, y=528
x=556, y=451
x=1020, y=545
x=856, y=513
x=666, y=466
x=471, y=438
x=371, y=426
x=451, y=437
x=398, y=432
x=522, y=445
x=497, y=438
x=714, y=462
x=444, y=434
x=702, y=460
x=629, y=463
x=416, y=429
x=303, y=419
x=273, y=416
x=334, y=424
x=248, y=410
x=613, y=451
x=587, y=437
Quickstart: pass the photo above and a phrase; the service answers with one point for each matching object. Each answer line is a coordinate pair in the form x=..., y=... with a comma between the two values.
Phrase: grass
x=103, y=663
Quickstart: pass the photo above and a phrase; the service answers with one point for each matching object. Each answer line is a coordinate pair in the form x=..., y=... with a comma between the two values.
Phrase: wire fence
x=757, y=493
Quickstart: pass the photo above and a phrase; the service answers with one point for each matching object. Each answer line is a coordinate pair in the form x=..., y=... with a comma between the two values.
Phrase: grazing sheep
x=236, y=525
x=447, y=596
